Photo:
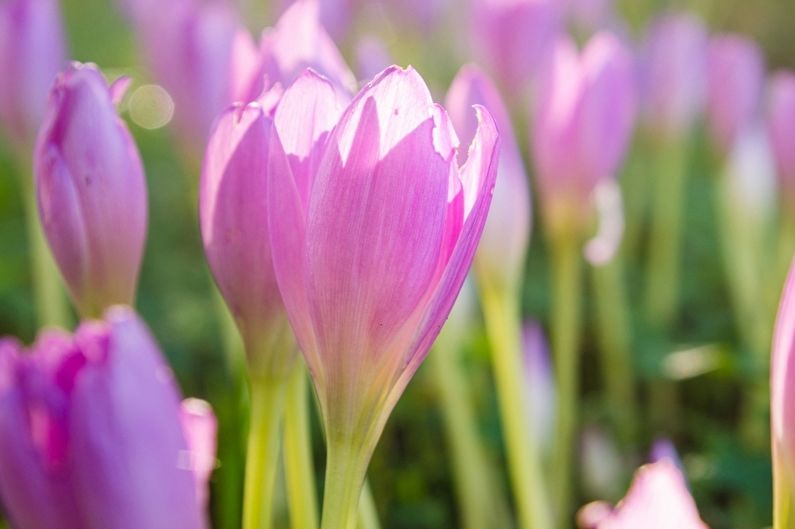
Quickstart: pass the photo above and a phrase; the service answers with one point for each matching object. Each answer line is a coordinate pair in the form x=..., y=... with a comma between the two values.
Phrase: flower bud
x=91, y=190
x=781, y=128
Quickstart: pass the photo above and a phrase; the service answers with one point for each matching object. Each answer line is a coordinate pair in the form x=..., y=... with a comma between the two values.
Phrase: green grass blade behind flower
x=368, y=514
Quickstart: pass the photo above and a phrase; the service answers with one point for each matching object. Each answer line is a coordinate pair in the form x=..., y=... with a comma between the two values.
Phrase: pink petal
x=200, y=428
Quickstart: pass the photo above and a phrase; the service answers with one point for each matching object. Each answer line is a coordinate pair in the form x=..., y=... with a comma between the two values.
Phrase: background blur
x=410, y=475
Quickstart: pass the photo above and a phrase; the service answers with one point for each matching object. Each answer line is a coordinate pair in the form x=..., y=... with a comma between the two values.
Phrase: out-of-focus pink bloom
x=590, y=14
x=201, y=434
x=91, y=190
x=90, y=433
x=500, y=256
x=513, y=36
x=202, y=56
x=298, y=41
x=782, y=396
x=372, y=57
x=663, y=449
x=540, y=383
x=674, y=67
x=781, y=127
x=735, y=71
x=234, y=224
x=420, y=15
x=372, y=247
x=584, y=117
x=334, y=15
x=657, y=499
x=32, y=52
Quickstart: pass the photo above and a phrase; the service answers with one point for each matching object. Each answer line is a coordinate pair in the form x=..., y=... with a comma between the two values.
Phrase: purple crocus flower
x=90, y=432
x=674, y=73
x=583, y=122
x=373, y=228
x=736, y=71
x=32, y=52
x=91, y=190
x=781, y=129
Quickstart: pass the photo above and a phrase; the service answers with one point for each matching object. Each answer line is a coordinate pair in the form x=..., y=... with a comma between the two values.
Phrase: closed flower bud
x=91, y=190
x=781, y=128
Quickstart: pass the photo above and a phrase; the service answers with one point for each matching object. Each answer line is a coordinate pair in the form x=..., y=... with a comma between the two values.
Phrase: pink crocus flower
x=513, y=36
x=373, y=228
x=657, y=499
x=91, y=190
x=90, y=432
x=781, y=129
x=674, y=63
x=735, y=71
x=335, y=15
x=583, y=121
x=500, y=256
x=32, y=52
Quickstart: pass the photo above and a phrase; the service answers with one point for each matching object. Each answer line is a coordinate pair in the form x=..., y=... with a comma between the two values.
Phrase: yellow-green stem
x=479, y=498
x=782, y=496
x=613, y=331
x=267, y=406
x=49, y=296
x=566, y=328
x=501, y=314
x=298, y=466
x=346, y=466
x=368, y=514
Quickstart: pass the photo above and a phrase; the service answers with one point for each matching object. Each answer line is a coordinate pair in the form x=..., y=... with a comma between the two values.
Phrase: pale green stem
x=664, y=264
x=346, y=466
x=298, y=465
x=368, y=514
x=267, y=406
x=782, y=495
x=479, y=497
x=566, y=328
x=501, y=314
x=613, y=326
x=48, y=293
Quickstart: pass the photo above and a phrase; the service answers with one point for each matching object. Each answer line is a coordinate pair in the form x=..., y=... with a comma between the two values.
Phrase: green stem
x=782, y=496
x=662, y=277
x=368, y=514
x=298, y=466
x=346, y=466
x=48, y=292
x=566, y=327
x=613, y=331
x=501, y=314
x=478, y=494
x=267, y=406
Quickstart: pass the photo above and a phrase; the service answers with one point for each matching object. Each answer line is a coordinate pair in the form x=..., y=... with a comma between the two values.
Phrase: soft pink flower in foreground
x=782, y=403
x=32, y=52
x=373, y=229
x=299, y=41
x=513, y=36
x=674, y=63
x=90, y=432
x=781, y=128
x=657, y=499
x=736, y=70
x=234, y=224
x=501, y=254
x=202, y=56
x=584, y=117
x=91, y=190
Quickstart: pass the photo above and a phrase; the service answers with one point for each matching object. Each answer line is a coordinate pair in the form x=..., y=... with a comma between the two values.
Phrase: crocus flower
x=782, y=405
x=202, y=56
x=584, y=117
x=91, y=190
x=372, y=247
x=298, y=41
x=90, y=432
x=200, y=427
x=590, y=14
x=512, y=37
x=735, y=72
x=32, y=52
x=234, y=225
x=674, y=73
x=657, y=499
x=500, y=256
x=334, y=15
x=781, y=128
x=372, y=57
